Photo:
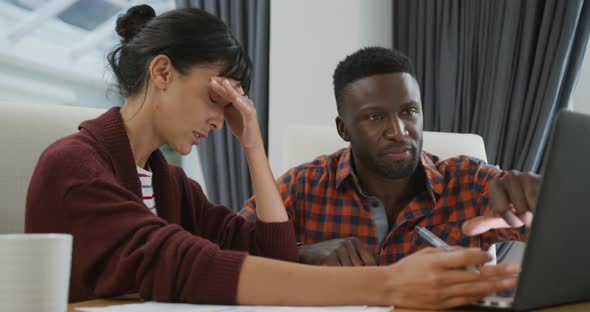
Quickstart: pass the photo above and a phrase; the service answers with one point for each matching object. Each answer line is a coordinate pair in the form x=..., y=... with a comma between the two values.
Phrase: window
x=54, y=51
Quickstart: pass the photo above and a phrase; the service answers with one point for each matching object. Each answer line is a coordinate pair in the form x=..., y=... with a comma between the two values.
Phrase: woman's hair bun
x=130, y=23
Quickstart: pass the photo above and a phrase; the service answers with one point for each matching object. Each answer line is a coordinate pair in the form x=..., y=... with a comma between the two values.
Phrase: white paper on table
x=178, y=307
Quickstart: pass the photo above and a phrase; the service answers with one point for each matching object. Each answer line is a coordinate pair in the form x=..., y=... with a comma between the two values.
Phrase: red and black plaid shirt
x=325, y=201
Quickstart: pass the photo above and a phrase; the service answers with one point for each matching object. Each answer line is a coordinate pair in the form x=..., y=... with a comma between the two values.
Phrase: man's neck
x=394, y=194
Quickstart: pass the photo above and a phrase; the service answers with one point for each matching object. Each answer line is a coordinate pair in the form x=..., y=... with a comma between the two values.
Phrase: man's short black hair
x=368, y=62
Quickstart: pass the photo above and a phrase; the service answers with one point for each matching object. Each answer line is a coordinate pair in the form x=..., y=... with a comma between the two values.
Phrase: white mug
x=35, y=272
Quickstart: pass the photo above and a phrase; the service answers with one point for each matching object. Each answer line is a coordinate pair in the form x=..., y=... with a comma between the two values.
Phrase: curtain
x=501, y=69
x=224, y=164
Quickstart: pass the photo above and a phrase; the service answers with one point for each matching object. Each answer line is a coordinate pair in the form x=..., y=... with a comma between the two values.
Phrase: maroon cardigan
x=86, y=184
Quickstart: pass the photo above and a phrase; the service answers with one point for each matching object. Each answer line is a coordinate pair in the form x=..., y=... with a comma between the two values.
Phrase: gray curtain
x=224, y=164
x=501, y=68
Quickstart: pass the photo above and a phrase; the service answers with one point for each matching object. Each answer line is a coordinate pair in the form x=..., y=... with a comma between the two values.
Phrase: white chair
x=25, y=131
x=302, y=144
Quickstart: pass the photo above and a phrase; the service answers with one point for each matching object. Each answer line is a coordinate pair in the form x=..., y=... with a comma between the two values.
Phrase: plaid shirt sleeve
x=484, y=177
x=287, y=185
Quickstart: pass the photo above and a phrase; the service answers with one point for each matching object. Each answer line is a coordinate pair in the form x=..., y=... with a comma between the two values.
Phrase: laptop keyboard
x=506, y=293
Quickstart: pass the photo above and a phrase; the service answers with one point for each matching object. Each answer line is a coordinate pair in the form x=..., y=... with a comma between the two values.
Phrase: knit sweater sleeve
x=120, y=248
x=224, y=227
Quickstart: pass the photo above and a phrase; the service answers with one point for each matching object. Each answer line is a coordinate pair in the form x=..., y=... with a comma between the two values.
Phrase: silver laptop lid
x=556, y=262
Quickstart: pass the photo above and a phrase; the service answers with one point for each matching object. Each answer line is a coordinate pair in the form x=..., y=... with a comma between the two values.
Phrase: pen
x=435, y=241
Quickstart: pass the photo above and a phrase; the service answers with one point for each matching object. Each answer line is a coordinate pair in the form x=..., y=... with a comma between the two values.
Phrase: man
x=360, y=205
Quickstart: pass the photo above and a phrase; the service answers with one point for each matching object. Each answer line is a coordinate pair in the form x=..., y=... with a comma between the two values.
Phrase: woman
x=182, y=74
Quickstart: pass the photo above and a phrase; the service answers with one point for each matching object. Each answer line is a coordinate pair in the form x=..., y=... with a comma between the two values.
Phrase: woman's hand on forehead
x=234, y=83
x=230, y=91
x=241, y=114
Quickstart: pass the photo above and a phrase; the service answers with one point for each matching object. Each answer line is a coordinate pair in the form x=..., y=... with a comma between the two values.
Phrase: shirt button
x=374, y=204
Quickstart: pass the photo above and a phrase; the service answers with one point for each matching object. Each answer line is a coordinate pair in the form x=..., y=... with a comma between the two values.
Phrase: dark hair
x=187, y=36
x=368, y=62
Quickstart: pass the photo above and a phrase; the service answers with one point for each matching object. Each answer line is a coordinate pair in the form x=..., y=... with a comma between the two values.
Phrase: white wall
x=582, y=92
x=308, y=38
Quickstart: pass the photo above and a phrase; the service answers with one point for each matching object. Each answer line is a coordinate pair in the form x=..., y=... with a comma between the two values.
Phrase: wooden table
x=582, y=307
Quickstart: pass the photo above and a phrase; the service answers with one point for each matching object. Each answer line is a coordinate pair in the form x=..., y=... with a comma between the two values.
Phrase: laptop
x=556, y=263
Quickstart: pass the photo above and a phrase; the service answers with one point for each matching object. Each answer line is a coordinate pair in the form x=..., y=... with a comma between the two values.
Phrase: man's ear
x=160, y=71
x=342, y=129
